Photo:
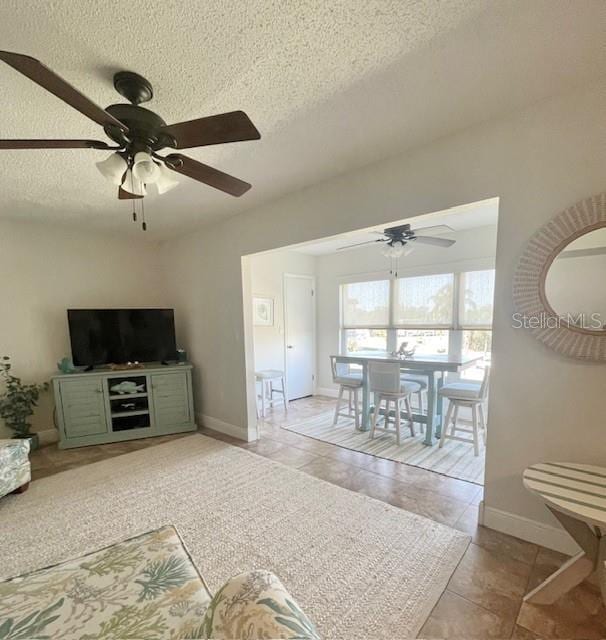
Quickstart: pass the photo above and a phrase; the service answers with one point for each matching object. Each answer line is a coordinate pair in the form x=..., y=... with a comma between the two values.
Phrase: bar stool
x=422, y=381
x=385, y=383
x=350, y=382
x=267, y=377
x=465, y=394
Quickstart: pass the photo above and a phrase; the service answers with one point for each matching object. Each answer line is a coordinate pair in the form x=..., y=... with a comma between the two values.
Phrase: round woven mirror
x=560, y=285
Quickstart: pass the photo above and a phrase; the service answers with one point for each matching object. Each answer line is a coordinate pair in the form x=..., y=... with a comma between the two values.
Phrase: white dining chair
x=385, y=383
x=350, y=382
x=465, y=394
x=267, y=378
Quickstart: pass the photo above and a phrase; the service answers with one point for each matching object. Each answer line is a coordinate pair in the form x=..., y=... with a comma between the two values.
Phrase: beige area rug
x=357, y=566
x=455, y=459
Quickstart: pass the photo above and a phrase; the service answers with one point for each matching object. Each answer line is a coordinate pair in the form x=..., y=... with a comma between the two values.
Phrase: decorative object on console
x=18, y=402
x=263, y=312
x=560, y=332
x=127, y=386
x=139, y=134
x=65, y=365
x=181, y=356
x=125, y=366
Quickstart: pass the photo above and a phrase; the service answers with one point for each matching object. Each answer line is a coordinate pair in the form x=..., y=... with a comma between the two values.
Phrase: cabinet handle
x=99, y=390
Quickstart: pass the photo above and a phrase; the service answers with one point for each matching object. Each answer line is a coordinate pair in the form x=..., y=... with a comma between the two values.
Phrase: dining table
x=432, y=367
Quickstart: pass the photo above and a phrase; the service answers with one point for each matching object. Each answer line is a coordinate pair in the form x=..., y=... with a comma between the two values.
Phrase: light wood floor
x=484, y=595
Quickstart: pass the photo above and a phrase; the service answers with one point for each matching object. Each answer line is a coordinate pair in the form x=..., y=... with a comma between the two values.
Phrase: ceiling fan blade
x=438, y=242
x=54, y=144
x=208, y=175
x=438, y=228
x=49, y=80
x=359, y=244
x=125, y=195
x=234, y=126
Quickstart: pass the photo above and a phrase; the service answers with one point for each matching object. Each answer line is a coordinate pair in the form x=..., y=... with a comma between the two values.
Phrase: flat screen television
x=106, y=336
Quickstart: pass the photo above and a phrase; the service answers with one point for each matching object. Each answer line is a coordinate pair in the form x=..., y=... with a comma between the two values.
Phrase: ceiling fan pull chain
x=134, y=211
x=143, y=224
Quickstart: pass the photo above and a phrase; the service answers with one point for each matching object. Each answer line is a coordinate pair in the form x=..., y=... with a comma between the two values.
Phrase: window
x=477, y=293
x=438, y=313
x=365, y=304
x=425, y=341
x=477, y=342
x=425, y=301
x=365, y=340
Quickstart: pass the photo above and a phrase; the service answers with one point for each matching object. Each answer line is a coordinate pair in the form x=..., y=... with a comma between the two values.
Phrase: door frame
x=285, y=277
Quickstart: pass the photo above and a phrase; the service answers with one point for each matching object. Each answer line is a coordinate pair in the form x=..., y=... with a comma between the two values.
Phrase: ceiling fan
x=139, y=134
x=399, y=241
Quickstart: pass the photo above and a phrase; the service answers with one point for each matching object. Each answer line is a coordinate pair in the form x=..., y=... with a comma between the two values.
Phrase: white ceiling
x=469, y=216
x=330, y=85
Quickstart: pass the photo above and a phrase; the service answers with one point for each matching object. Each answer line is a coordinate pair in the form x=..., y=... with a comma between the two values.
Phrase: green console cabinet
x=110, y=406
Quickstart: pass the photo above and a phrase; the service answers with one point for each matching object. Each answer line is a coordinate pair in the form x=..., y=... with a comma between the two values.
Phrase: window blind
x=365, y=304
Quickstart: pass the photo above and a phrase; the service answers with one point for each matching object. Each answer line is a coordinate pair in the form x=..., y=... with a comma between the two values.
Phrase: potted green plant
x=17, y=403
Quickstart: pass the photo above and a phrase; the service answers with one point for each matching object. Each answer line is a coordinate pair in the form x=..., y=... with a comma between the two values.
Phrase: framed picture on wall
x=263, y=312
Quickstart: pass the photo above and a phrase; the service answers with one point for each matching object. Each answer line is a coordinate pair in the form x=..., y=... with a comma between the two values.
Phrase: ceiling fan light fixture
x=113, y=168
x=165, y=180
x=386, y=250
x=144, y=168
x=133, y=185
x=397, y=249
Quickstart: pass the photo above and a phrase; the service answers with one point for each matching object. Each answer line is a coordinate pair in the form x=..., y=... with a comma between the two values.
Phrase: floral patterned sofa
x=14, y=465
x=146, y=588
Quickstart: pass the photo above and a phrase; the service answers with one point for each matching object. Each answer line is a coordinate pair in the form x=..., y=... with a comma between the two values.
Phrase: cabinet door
x=83, y=403
x=170, y=396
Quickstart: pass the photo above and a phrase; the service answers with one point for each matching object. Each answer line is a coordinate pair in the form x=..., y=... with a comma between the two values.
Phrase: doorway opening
x=418, y=295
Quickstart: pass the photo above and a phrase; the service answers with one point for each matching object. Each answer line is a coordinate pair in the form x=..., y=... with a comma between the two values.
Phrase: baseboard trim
x=48, y=436
x=223, y=427
x=530, y=530
x=327, y=391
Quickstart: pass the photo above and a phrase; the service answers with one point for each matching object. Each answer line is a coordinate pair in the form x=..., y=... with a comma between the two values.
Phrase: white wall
x=537, y=161
x=45, y=270
x=474, y=249
x=267, y=281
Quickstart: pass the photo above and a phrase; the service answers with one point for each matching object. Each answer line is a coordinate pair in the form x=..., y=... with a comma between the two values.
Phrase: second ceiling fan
x=400, y=241
x=139, y=134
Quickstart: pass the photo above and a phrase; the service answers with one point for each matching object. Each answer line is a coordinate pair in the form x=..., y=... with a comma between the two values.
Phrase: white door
x=300, y=323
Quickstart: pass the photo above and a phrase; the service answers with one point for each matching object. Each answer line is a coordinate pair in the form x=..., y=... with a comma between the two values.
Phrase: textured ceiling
x=330, y=85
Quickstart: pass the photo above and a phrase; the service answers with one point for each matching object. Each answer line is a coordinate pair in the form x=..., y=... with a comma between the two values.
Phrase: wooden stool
x=267, y=377
x=348, y=382
x=385, y=383
x=465, y=394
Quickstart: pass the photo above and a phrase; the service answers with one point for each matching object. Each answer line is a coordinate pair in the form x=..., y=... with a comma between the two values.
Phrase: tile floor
x=484, y=596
